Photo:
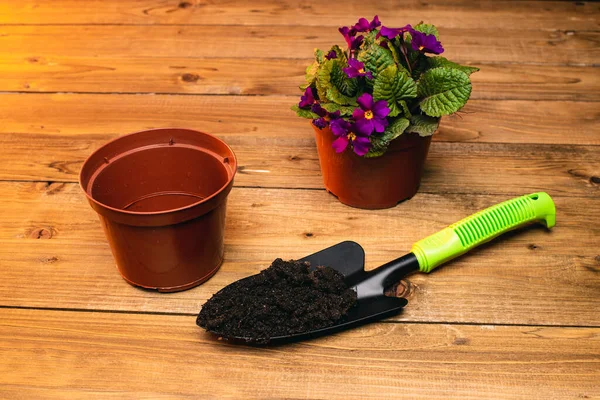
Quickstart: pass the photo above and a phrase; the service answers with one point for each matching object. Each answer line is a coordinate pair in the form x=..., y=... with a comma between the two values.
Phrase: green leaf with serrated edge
x=443, y=91
x=392, y=86
x=304, y=113
x=323, y=82
x=340, y=80
x=428, y=29
x=375, y=58
x=370, y=36
x=319, y=56
x=404, y=109
x=341, y=55
x=435, y=62
x=334, y=95
x=334, y=85
x=379, y=144
x=395, y=129
x=396, y=54
x=311, y=73
x=376, y=150
x=423, y=125
x=330, y=75
x=345, y=111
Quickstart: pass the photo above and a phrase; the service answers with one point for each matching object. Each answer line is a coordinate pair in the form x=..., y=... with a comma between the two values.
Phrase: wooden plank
x=74, y=355
x=262, y=76
x=491, y=45
x=523, y=278
x=509, y=121
x=293, y=163
x=549, y=15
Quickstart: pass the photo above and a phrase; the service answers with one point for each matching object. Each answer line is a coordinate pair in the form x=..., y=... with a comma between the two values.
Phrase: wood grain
x=507, y=121
x=549, y=15
x=293, y=163
x=259, y=76
x=51, y=236
x=51, y=354
x=463, y=45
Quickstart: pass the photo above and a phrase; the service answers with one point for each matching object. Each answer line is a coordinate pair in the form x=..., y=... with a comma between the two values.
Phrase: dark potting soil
x=284, y=299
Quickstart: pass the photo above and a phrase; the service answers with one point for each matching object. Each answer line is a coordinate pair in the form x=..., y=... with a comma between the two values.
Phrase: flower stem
x=403, y=49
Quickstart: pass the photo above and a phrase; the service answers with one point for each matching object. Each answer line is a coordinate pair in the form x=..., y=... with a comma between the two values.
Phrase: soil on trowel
x=284, y=299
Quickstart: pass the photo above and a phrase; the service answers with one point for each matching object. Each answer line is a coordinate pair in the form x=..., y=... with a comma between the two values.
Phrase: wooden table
x=516, y=319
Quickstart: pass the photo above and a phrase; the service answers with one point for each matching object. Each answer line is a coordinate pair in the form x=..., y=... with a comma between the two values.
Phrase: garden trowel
x=427, y=254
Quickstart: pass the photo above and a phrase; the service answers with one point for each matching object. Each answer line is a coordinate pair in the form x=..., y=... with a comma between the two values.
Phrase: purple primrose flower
x=391, y=33
x=307, y=99
x=356, y=68
x=324, y=116
x=371, y=115
x=363, y=24
x=320, y=122
x=426, y=43
x=346, y=134
x=331, y=55
x=352, y=40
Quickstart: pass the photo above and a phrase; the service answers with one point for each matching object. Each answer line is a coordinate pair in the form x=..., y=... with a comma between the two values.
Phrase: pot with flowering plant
x=374, y=107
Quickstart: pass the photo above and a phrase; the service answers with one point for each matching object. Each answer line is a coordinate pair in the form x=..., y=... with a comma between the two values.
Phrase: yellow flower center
x=352, y=136
x=369, y=114
x=421, y=47
x=361, y=71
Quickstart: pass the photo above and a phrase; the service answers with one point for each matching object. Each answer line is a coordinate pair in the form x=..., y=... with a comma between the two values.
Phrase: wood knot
x=293, y=158
x=404, y=288
x=532, y=246
x=595, y=179
x=41, y=233
x=189, y=77
x=48, y=260
x=461, y=341
x=184, y=4
x=54, y=187
x=308, y=234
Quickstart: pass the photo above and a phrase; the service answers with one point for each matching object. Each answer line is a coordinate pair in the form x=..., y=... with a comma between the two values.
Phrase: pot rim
x=230, y=172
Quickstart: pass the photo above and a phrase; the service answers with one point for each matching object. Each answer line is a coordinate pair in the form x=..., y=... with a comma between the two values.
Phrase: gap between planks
x=383, y=321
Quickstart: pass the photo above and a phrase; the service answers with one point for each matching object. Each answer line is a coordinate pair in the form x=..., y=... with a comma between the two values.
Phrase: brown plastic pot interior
x=161, y=197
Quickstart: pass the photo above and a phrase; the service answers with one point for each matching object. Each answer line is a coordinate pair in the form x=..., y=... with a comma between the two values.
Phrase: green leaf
x=404, y=108
x=334, y=85
x=423, y=125
x=393, y=85
x=319, y=56
x=375, y=58
x=395, y=129
x=345, y=111
x=435, y=62
x=323, y=82
x=340, y=80
x=311, y=73
x=395, y=53
x=427, y=29
x=341, y=55
x=379, y=144
x=304, y=113
x=443, y=91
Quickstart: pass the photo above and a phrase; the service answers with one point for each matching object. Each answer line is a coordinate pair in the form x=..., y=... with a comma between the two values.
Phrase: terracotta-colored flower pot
x=161, y=196
x=373, y=183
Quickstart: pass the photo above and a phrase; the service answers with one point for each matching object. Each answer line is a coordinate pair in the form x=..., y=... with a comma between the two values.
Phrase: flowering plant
x=382, y=85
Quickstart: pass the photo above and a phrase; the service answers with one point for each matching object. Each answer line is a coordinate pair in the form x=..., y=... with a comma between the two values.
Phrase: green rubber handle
x=482, y=227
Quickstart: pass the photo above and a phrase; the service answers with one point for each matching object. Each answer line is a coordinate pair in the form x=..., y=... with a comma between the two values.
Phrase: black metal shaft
x=375, y=281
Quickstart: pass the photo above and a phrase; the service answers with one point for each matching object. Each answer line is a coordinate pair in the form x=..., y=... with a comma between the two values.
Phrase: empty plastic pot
x=161, y=196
